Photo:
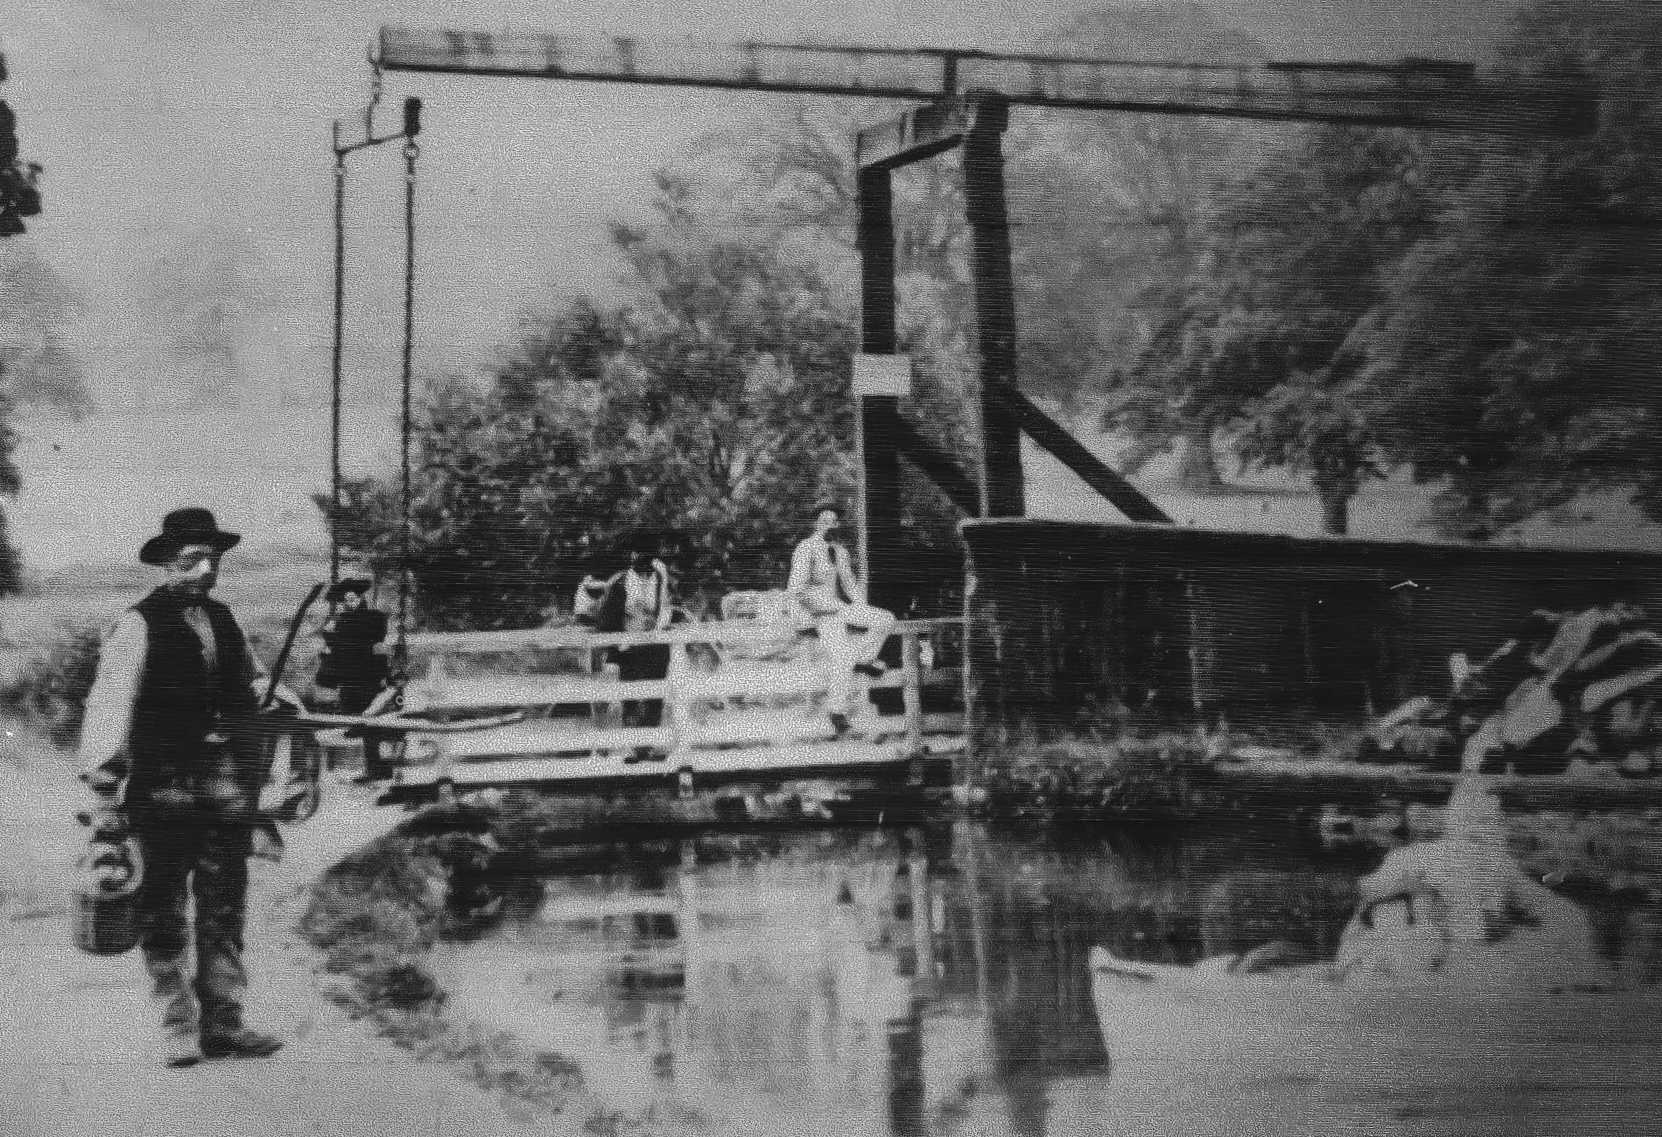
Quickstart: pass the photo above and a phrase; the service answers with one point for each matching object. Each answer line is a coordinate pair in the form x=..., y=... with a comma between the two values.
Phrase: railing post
x=911, y=674
x=675, y=697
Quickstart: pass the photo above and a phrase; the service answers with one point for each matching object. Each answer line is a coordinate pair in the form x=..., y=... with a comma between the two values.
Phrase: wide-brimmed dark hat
x=192, y=525
x=337, y=591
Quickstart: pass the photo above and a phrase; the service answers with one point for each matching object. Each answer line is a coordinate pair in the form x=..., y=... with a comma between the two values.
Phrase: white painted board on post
x=883, y=375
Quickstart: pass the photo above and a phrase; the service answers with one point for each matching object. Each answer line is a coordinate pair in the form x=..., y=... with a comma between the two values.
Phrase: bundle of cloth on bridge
x=1569, y=685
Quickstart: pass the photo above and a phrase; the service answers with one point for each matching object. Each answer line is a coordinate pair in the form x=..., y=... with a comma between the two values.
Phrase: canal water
x=887, y=982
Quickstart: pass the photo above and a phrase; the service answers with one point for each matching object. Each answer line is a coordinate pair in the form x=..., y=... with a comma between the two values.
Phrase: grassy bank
x=375, y=915
x=1076, y=782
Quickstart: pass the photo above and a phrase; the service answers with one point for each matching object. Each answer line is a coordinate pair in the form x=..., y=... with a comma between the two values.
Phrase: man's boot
x=179, y=1051
x=169, y=987
x=239, y=1043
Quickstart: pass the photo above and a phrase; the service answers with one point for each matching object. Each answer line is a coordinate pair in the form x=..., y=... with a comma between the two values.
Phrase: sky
x=188, y=187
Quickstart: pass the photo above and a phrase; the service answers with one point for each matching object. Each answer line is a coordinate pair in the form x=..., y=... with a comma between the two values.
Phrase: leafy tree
x=1480, y=310
x=19, y=196
x=1110, y=216
x=34, y=365
x=1515, y=358
x=1261, y=344
x=713, y=405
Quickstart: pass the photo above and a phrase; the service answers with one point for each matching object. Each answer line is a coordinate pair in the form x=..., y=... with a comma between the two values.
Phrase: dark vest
x=178, y=702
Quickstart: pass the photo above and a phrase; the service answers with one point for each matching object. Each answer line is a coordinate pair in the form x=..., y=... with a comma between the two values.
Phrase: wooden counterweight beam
x=1410, y=94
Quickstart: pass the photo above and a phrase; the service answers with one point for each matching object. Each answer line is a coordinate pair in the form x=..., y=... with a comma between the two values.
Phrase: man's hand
x=285, y=695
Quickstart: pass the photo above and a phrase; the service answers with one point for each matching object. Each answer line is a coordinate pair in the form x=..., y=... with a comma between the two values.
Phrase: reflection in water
x=890, y=982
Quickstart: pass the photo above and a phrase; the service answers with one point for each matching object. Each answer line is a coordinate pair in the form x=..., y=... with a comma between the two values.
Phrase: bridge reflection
x=890, y=982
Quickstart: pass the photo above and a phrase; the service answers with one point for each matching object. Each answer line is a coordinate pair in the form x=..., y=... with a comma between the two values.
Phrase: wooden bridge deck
x=738, y=705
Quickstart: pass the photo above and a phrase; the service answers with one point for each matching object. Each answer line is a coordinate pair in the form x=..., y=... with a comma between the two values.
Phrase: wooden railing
x=741, y=659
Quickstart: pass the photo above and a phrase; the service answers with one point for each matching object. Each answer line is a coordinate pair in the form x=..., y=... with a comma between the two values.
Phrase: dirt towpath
x=78, y=1033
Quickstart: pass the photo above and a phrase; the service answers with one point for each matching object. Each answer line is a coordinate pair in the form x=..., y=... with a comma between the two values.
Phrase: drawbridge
x=733, y=699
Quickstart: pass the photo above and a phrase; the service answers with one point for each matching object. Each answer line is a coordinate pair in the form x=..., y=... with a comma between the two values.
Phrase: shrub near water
x=375, y=913
x=1130, y=778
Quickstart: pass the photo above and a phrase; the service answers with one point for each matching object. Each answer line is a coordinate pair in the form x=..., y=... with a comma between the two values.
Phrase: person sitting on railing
x=851, y=631
x=638, y=600
x=590, y=596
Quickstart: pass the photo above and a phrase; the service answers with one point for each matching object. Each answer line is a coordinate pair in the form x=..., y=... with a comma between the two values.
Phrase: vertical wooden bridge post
x=1002, y=490
x=878, y=415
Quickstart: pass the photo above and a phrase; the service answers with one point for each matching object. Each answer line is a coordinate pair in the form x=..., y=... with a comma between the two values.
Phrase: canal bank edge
x=373, y=917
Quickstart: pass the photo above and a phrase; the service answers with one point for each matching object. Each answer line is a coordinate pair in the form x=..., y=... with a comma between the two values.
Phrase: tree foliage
x=35, y=366
x=1482, y=311
x=19, y=194
x=1516, y=356
x=1260, y=341
x=712, y=406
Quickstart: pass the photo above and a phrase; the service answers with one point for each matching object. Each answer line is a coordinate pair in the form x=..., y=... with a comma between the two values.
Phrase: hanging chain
x=401, y=646
x=412, y=127
x=335, y=363
x=374, y=97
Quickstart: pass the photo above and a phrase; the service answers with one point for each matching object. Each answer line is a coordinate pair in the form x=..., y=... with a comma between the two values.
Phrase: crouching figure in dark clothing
x=168, y=751
x=352, y=666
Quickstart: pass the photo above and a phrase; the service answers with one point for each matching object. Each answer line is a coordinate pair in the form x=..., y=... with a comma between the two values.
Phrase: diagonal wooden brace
x=1051, y=435
x=939, y=467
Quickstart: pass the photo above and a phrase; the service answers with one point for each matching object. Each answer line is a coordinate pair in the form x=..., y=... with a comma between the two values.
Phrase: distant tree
x=1110, y=215
x=788, y=184
x=19, y=194
x=1480, y=310
x=1261, y=344
x=34, y=365
x=1515, y=359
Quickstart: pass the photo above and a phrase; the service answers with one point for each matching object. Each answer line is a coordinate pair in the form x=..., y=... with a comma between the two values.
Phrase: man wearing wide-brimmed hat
x=165, y=748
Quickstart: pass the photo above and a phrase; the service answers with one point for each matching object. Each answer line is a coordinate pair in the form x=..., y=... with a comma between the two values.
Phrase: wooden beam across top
x=1409, y=94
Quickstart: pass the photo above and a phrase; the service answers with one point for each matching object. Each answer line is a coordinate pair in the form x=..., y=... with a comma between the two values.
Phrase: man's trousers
x=194, y=859
x=354, y=699
x=853, y=635
x=645, y=661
